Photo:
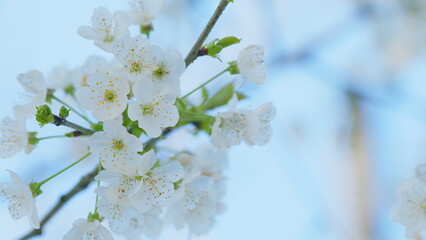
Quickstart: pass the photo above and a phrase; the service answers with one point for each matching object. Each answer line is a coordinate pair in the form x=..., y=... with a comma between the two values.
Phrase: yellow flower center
x=110, y=95
x=118, y=144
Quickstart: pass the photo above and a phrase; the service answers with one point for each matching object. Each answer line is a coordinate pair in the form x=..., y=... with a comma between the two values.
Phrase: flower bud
x=44, y=115
x=64, y=112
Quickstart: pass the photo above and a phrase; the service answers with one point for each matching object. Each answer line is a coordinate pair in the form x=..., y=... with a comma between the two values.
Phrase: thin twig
x=193, y=54
x=63, y=122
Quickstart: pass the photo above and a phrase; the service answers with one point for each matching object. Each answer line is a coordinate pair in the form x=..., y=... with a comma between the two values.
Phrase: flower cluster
x=134, y=101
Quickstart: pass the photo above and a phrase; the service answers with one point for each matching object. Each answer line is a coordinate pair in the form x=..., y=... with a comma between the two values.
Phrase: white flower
x=21, y=200
x=118, y=216
x=156, y=186
x=134, y=54
x=36, y=90
x=411, y=207
x=93, y=64
x=165, y=67
x=59, y=78
x=119, y=187
x=116, y=148
x=231, y=127
x=105, y=94
x=144, y=11
x=148, y=223
x=13, y=138
x=250, y=62
x=125, y=220
x=228, y=129
x=259, y=130
x=211, y=162
x=153, y=108
x=85, y=230
x=104, y=30
x=197, y=208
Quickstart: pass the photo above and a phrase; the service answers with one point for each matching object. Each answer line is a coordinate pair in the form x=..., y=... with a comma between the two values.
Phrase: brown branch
x=193, y=54
x=58, y=121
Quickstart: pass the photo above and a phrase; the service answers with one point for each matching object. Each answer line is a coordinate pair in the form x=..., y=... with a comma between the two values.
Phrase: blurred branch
x=362, y=164
x=193, y=54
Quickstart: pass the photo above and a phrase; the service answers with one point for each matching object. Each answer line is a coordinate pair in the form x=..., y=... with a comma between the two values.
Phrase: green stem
x=72, y=109
x=63, y=170
x=99, y=184
x=58, y=136
x=204, y=84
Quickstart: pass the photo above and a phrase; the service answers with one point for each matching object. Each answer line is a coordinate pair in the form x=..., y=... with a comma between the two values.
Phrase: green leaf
x=231, y=1
x=97, y=127
x=127, y=122
x=135, y=129
x=220, y=98
x=228, y=41
x=214, y=47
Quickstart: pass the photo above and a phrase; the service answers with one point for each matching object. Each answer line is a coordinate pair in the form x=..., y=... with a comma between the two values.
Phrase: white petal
x=141, y=199
x=172, y=172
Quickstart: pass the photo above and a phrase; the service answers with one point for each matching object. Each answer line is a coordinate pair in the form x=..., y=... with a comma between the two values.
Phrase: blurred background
x=346, y=77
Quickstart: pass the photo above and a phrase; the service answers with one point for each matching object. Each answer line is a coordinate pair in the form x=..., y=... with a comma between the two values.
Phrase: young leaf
x=220, y=98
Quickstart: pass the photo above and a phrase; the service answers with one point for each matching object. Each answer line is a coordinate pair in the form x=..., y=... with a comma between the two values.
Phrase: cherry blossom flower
x=148, y=223
x=105, y=94
x=104, y=30
x=153, y=107
x=14, y=137
x=211, y=162
x=59, y=77
x=35, y=86
x=197, y=207
x=411, y=207
x=250, y=62
x=165, y=67
x=117, y=215
x=134, y=54
x=119, y=187
x=21, y=200
x=83, y=229
x=116, y=148
x=228, y=129
x=144, y=11
x=93, y=64
x=253, y=127
x=259, y=129
x=156, y=186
